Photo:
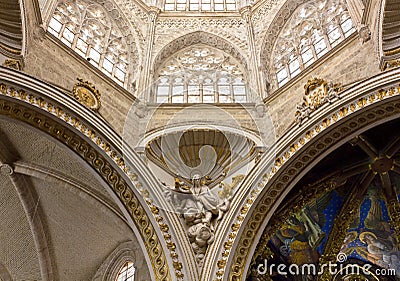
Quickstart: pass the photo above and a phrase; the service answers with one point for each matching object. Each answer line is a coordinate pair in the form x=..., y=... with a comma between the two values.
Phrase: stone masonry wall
x=356, y=61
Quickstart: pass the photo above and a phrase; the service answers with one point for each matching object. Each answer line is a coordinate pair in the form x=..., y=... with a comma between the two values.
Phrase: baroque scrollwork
x=317, y=93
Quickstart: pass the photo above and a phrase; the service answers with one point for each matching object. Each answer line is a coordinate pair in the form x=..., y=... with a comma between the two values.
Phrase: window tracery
x=200, y=74
x=87, y=29
x=315, y=28
x=200, y=5
x=127, y=272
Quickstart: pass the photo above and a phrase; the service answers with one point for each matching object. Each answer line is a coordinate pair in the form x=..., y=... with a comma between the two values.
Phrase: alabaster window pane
x=218, y=7
x=224, y=99
x=208, y=99
x=94, y=55
x=347, y=25
x=163, y=90
x=239, y=90
x=223, y=90
x=67, y=34
x=169, y=7
x=52, y=31
x=177, y=90
x=206, y=7
x=230, y=7
x=320, y=46
x=281, y=75
x=307, y=57
x=107, y=65
x=240, y=98
x=177, y=99
x=82, y=46
x=194, y=7
x=119, y=74
x=55, y=25
x=334, y=36
x=66, y=42
x=294, y=66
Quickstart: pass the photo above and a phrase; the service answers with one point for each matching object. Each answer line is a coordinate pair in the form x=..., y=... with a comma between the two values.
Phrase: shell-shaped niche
x=207, y=153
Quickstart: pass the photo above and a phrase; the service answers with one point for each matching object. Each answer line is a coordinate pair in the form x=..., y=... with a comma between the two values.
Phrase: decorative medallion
x=86, y=93
x=317, y=92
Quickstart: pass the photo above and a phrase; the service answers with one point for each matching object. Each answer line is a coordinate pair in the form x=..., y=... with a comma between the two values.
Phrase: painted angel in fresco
x=302, y=233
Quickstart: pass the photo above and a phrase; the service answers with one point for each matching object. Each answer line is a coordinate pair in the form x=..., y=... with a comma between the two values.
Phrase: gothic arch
x=273, y=32
x=12, y=29
x=131, y=34
x=110, y=267
x=198, y=37
x=367, y=104
x=35, y=104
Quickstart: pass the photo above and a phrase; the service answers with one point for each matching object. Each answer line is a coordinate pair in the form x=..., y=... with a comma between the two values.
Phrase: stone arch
x=110, y=267
x=40, y=112
x=389, y=36
x=12, y=29
x=198, y=37
x=297, y=154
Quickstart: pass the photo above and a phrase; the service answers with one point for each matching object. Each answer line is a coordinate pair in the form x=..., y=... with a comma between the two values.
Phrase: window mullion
x=327, y=42
x=185, y=92
x=201, y=91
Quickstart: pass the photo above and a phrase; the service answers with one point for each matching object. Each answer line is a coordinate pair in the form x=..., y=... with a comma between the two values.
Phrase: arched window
x=87, y=29
x=200, y=5
x=127, y=272
x=314, y=29
x=201, y=74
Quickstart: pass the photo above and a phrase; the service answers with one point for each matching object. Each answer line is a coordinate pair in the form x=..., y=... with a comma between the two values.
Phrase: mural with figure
x=370, y=236
x=302, y=238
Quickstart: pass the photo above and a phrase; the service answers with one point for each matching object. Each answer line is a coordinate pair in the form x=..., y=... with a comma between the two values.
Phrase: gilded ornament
x=317, y=93
x=14, y=64
x=86, y=93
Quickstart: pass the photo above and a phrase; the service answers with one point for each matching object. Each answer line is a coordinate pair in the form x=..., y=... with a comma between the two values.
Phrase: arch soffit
x=36, y=104
x=361, y=107
x=198, y=37
x=13, y=26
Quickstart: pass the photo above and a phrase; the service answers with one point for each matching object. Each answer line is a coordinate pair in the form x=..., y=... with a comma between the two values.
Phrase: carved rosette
x=86, y=93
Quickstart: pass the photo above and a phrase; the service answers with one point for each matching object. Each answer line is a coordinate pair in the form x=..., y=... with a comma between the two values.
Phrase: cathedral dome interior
x=199, y=140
